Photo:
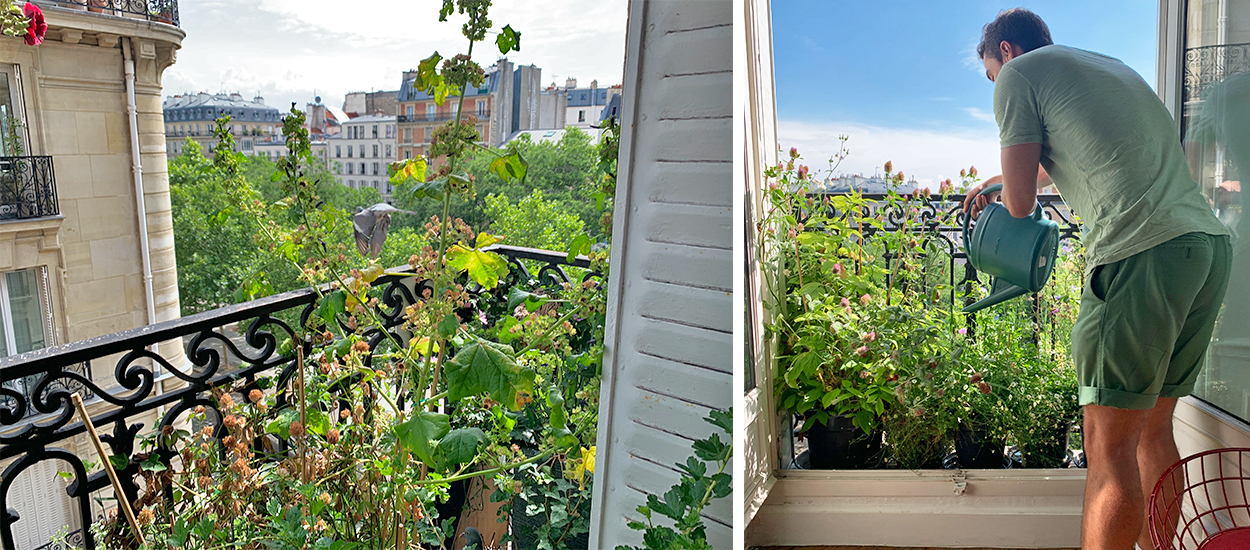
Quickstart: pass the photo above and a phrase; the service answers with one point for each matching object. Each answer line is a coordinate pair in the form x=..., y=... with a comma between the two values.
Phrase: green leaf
x=485, y=239
x=721, y=419
x=555, y=400
x=408, y=170
x=460, y=446
x=318, y=422
x=447, y=327
x=505, y=334
x=485, y=268
x=421, y=433
x=486, y=367
x=448, y=8
x=443, y=90
x=579, y=246
x=427, y=71
x=331, y=305
x=508, y=40
x=711, y=449
x=281, y=426
x=510, y=167
x=119, y=462
x=532, y=301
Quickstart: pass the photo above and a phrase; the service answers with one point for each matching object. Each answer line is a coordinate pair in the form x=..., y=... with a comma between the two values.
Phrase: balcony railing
x=1208, y=65
x=161, y=11
x=215, y=358
x=27, y=188
x=442, y=117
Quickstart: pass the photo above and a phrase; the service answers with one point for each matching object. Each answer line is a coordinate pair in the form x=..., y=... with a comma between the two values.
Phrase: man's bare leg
x=1156, y=452
x=1114, y=507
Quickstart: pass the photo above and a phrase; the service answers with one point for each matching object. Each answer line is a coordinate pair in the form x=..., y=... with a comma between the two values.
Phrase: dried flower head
x=255, y=396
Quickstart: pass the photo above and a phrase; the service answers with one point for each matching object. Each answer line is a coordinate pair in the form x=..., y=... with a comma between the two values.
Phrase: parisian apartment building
x=362, y=150
x=191, y=116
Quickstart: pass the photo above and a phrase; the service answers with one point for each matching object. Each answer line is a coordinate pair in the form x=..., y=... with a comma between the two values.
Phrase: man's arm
x=977, y=203
x=1021, y=177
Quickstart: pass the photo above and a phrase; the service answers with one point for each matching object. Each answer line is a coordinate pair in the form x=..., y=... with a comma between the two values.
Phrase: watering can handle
x=1037, y=212
x=968, y=213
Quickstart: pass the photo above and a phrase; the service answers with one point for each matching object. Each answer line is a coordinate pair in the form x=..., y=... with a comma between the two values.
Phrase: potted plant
x=97, y=6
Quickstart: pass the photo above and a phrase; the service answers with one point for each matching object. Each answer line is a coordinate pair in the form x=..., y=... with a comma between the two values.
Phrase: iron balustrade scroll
x=1207, y=65
x=27, y=188
x=161, y=11
x=131, y=390
x=939, y=221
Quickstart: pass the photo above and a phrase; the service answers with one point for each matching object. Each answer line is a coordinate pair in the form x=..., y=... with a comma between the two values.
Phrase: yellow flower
x=581, y=466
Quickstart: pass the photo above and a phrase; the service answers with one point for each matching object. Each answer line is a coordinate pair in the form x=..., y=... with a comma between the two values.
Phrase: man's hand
x=976, y=202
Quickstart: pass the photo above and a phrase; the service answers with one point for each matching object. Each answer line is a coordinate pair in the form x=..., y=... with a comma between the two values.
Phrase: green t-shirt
x=1108, y=143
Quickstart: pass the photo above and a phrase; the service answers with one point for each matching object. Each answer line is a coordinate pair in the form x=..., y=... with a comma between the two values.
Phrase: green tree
x=533, y=221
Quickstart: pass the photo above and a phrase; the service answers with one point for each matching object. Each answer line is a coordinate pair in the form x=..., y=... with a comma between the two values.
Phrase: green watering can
x=1018, y=252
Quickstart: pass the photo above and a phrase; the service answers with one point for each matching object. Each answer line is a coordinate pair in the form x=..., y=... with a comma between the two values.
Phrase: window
x=375, y=132
x=581, y=115
x=431, y=110
x=349, y=151
x=362, y=150
x=22, y=311
x=349, y=168
x=375, y=166
x=338, y=151
x=375, y=146
x=351, y=183
x=408, y=110
x=481, y=108
x=388, y=151
x=362, y=168
x=407, y=153
x=407, y=135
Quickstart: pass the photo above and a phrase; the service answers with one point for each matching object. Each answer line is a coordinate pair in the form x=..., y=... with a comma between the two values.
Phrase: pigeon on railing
x=370, y=225
x=473, y=539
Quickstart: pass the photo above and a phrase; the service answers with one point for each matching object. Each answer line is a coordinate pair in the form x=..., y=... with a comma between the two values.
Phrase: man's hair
x=1018, y=26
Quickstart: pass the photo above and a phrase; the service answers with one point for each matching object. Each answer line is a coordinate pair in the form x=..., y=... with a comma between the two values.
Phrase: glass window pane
x=27, y=311
x=1215, y=108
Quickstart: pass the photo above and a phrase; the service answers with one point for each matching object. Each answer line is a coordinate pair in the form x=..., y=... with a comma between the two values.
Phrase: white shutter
x=38, y=494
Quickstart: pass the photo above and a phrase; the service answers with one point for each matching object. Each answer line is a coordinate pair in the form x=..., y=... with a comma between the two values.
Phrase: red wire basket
x=1201, y=503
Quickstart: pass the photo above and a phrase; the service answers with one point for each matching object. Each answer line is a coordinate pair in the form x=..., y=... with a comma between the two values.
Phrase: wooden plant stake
x=108, y=467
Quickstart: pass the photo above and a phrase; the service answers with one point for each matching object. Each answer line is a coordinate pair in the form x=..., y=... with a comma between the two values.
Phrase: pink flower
x=37, y=28
x=862, y=351
x=945, y=187
x=837, y=270
x=772, y=185
x=801, y=227
x=794, y=152
x=865, y=300
x=791, y=233
x=972, y=171
x=846, y=303
x=962, y=172
x=870, y=337
x=865, y=374
x=802, y=172
x=963, y=331
x=789, y=165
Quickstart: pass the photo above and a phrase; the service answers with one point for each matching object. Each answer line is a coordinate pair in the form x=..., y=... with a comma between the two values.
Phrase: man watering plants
x=1157, y=257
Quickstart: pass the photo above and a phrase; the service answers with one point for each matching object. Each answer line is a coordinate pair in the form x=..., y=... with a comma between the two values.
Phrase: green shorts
x=1145, y=321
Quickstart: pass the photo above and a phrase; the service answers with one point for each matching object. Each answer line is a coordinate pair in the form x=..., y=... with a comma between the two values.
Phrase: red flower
x=37, y=28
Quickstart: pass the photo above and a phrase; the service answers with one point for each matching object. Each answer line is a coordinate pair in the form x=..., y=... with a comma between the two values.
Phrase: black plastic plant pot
x=839, y=445
x=975, y=449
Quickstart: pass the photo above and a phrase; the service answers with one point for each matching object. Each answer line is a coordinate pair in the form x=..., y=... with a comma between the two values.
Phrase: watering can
x=1018, y=252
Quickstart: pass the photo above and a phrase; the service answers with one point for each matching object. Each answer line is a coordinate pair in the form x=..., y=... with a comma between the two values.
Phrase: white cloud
x=287, y=50
x=981, y=115
x=929, y=155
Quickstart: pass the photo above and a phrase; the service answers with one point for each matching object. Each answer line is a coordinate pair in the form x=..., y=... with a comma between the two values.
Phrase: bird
x=370, y=225
x=473, y=539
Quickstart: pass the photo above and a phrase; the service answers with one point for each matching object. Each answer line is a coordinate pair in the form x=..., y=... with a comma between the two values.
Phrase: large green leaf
x=486, y=367
x=332, y=304
x=485, y=268
x=510, y=167
x=427, y=73
x=422, y=433
x=508, y=40
x=408, y=170
x=460, y=446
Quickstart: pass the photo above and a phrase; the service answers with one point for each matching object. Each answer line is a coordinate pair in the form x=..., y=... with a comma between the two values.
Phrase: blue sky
x=902, y=79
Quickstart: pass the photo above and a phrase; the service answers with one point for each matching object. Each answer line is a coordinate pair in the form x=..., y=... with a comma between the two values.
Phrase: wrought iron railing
x=26, y=386
x=214, y=359
x=27, y=188
x=1207, y=65
x=161, y=11
x=939, y=224
x=441, y=117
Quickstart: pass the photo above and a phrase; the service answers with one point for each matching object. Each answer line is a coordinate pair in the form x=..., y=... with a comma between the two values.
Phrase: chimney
x=570, y=83
x=236, y=96
x=594, y=84
x=409, y=75
x=259, y=99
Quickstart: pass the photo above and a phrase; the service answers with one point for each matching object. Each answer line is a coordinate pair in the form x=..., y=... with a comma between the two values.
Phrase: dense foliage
x=357, y=441
x=870, y=326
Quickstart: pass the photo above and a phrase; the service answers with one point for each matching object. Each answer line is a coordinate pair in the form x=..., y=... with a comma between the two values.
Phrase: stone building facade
x=72, y=261
x=362, y=151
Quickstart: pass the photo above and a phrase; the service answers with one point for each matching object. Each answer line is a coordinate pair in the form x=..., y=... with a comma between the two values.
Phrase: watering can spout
x=1000, y=292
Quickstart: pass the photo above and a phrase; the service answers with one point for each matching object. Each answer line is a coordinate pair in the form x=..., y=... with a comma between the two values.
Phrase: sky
x=903, y=81
x=292, y=50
